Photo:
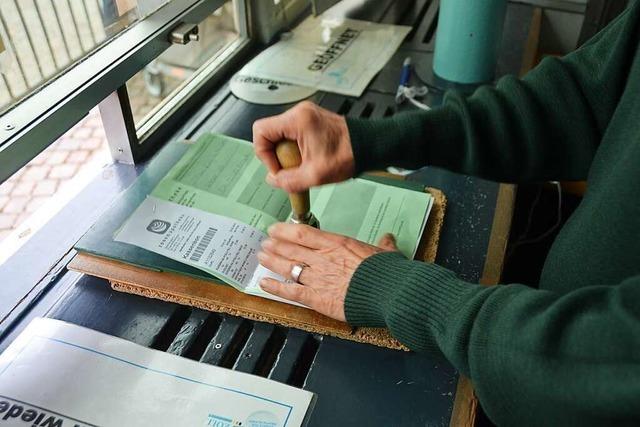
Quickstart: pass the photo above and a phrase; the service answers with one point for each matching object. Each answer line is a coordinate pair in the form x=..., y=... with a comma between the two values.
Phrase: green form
x=221, y=175
x=366, y=210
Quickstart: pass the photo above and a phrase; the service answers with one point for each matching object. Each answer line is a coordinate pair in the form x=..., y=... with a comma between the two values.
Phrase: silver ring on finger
x=296, y=271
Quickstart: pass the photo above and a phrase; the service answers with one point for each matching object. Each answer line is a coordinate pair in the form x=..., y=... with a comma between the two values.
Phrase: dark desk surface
x=356, y=384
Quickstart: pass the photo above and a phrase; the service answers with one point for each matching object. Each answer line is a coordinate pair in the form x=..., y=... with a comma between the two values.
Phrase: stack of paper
x=59, y=374
x=212, y=210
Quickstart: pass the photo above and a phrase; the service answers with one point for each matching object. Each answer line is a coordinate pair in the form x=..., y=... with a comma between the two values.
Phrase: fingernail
x=271, y=229
x=261, y=256
x=267, y=243
x=271, y=179
x=264, y=283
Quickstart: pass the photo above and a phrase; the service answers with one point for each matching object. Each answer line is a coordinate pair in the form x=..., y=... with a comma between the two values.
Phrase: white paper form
x=216, y=244
x=58, y=374
x=219, y=245
x=332, y=54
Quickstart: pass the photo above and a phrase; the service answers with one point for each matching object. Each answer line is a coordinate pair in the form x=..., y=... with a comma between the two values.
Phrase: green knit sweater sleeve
x=545, y=126
x=552, y=359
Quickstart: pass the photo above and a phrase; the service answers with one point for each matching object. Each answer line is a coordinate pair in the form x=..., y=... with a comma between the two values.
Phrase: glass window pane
x=41, y=38
x=162, y=78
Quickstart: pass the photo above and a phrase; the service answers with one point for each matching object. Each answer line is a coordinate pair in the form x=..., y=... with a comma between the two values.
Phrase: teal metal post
x=468, y=40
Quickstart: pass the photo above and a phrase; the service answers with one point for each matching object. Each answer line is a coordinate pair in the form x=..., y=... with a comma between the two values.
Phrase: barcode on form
x=204, y=243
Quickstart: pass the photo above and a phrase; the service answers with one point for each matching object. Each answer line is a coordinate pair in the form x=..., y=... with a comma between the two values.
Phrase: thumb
x=291, y=180
x=388, y=242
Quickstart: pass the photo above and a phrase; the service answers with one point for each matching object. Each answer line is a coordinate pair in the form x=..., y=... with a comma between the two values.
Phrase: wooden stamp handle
x=289, y=156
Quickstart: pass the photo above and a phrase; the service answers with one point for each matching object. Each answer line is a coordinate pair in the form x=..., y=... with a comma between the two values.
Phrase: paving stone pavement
x=83, y=147
x=49, y=172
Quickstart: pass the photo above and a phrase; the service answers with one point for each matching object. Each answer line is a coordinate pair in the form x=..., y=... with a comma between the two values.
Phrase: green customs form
x=220, y=175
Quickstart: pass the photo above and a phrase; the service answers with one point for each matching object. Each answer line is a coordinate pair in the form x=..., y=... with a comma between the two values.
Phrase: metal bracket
x=184, y=33
x=119, y=127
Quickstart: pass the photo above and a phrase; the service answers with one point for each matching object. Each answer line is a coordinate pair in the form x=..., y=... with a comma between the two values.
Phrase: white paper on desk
x=59, y=374
x=332, y=54
x=216, y=244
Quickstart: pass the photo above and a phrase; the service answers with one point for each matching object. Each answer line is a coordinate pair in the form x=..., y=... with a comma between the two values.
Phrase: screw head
x=9, y=126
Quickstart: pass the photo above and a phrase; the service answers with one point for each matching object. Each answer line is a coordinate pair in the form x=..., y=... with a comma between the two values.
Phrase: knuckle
x=300, y=232
x=305, y=120
x=306, y=105
x=306, y=229
x=296, y=292
x=308, y=117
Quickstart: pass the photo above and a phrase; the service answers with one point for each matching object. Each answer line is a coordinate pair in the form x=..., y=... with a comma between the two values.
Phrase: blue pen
x=404, y=79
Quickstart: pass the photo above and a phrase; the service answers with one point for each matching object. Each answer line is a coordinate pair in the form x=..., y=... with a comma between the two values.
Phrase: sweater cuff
x=413, y=299
x=401, y=140
x=376, y=142
x=362, y=133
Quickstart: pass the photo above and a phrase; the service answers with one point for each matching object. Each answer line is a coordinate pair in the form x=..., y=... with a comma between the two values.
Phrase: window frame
x=42, y=117
x=172, y=110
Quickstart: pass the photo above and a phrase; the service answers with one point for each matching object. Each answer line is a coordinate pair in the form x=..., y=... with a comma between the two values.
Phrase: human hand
x=330, y=261
x=323, y=139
